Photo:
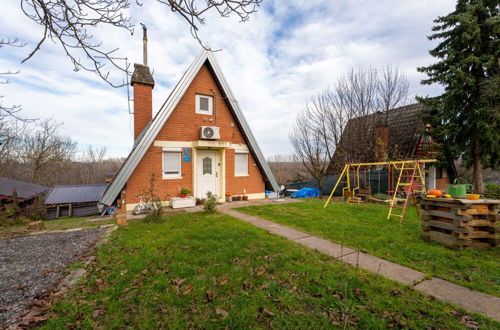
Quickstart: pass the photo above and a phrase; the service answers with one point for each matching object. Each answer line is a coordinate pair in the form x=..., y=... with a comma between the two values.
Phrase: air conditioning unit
x=210, y=133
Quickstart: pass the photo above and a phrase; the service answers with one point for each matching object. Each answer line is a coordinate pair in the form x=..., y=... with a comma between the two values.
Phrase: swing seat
x=364, y=192
x=348, y=193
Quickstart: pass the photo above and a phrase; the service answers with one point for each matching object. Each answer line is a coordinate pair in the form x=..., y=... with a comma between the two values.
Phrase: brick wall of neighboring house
x=381, y=142
x=442, y=179
x=184, y=125
x=442, y=184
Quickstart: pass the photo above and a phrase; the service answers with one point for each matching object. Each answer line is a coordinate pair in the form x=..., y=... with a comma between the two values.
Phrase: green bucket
x=458, y=190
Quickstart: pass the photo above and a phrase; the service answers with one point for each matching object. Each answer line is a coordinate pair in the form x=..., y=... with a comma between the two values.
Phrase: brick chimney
x=143, y=83
x=381, y=137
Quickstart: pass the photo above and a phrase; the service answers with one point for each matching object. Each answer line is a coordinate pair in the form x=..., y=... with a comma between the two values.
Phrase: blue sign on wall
x=186, y=154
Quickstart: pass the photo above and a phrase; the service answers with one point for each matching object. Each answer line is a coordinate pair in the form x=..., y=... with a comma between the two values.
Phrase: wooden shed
x=26, y=195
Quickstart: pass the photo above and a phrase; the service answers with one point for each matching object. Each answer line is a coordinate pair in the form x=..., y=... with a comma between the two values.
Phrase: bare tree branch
x=71, y=23
x=320, y=133
x=10, y=110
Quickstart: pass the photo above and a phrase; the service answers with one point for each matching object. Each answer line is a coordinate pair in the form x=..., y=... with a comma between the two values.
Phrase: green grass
x=199, y=271
x=55, y=224
x=365, y=227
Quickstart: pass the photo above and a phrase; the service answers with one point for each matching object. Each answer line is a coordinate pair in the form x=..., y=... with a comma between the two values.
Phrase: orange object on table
x=473, y=197
x=435, y=192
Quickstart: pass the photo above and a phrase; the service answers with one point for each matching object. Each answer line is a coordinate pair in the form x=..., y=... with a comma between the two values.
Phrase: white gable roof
x=149, y=135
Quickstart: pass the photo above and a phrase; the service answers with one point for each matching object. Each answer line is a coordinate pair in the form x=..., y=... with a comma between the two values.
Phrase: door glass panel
x=207, y=165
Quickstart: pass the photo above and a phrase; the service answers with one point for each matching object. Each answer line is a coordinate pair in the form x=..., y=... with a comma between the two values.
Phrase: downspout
x=215, y=105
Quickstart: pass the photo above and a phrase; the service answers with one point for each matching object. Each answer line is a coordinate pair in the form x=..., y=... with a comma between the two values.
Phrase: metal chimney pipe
x=145, y=44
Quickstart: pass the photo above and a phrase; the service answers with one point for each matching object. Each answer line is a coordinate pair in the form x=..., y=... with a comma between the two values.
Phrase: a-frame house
x=199, y=140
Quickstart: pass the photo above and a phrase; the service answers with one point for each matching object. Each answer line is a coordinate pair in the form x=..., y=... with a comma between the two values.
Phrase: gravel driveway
x=29, y=264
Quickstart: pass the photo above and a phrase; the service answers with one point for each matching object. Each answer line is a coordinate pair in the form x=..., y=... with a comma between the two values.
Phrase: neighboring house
x=396, y=134
x=74, y=200
x=198, y=140
x=27, y=194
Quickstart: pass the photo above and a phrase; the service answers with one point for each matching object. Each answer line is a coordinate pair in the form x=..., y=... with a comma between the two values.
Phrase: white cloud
x=288, y=51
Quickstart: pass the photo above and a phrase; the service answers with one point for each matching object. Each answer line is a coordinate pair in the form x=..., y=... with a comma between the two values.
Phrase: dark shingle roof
x=405, y=128
x=75, y=193
x=23, y=189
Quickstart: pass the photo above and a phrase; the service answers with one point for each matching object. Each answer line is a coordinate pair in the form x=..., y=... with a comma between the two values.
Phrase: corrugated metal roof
x=142, y=144
x=75, y=193
x=23, y=189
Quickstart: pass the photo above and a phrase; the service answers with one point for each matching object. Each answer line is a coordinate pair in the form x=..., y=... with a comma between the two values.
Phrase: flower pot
x=236, y=198
x=229, y=198
x=183, y=195
x=245, y=198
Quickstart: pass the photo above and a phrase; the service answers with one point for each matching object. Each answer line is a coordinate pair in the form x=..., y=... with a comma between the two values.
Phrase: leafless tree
x=72, y=23
x=37, y=152
x=93, y=160
x=392, y=88
x=354, y=97
x=310, y=147
x=11, y=130
x=45, y=153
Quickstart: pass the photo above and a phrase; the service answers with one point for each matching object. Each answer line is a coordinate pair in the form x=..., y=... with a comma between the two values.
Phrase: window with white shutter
x=241, y=163
x=172, y=163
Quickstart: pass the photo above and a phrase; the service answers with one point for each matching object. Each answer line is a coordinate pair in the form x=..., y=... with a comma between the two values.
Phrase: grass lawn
x=55, y=224
x=364, y=226
x=198, y=271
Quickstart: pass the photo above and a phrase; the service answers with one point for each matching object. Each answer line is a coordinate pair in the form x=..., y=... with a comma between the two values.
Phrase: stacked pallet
x=461, y=223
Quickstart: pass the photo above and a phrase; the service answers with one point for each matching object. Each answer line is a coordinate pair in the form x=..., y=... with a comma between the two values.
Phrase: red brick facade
x=143, y=107
x=184, y=125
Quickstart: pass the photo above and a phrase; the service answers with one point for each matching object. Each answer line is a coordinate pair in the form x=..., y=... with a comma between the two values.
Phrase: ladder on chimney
x=410, y=182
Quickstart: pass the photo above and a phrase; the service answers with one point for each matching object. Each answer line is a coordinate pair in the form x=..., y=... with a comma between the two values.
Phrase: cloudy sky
x=288, y=51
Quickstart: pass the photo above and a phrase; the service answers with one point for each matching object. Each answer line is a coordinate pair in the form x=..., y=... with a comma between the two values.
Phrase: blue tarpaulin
x=306, y=192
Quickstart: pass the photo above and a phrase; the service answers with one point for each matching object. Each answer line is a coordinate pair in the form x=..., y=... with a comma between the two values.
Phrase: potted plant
x=229, y=197
x=184, y=192
x=244, y=197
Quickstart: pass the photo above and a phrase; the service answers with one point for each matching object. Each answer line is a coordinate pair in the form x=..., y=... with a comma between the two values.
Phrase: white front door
x=206, y=172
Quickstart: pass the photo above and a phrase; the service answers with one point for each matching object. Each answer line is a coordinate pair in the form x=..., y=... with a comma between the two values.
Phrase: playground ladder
x=410, y=181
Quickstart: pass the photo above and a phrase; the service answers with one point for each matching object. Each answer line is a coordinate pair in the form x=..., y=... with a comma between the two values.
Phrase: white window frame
x=242, y=153
x=210, y=111
x=170, y=175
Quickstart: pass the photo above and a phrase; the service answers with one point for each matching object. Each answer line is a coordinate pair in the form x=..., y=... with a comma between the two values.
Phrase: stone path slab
x=385, y=268
x=327, y=247
x=470, y=300
x=287, y=232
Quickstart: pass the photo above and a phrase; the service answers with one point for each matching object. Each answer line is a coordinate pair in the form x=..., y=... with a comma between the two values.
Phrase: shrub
x=209, y=205
x=155, y=208
x=492, y=190
x=12, y=217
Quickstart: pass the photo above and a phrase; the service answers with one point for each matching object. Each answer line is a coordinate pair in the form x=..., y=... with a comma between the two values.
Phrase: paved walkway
x=468, y=299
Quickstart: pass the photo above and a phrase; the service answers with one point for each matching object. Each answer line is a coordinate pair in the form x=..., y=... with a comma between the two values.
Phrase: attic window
x=204, y=104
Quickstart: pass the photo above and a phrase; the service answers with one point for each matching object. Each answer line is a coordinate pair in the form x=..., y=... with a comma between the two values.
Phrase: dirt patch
x=31, y=264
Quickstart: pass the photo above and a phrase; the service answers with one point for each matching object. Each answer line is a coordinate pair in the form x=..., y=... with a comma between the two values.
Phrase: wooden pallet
x=461, y=223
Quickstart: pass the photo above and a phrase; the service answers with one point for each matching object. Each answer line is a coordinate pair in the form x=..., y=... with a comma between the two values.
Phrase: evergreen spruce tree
x=465, y=119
